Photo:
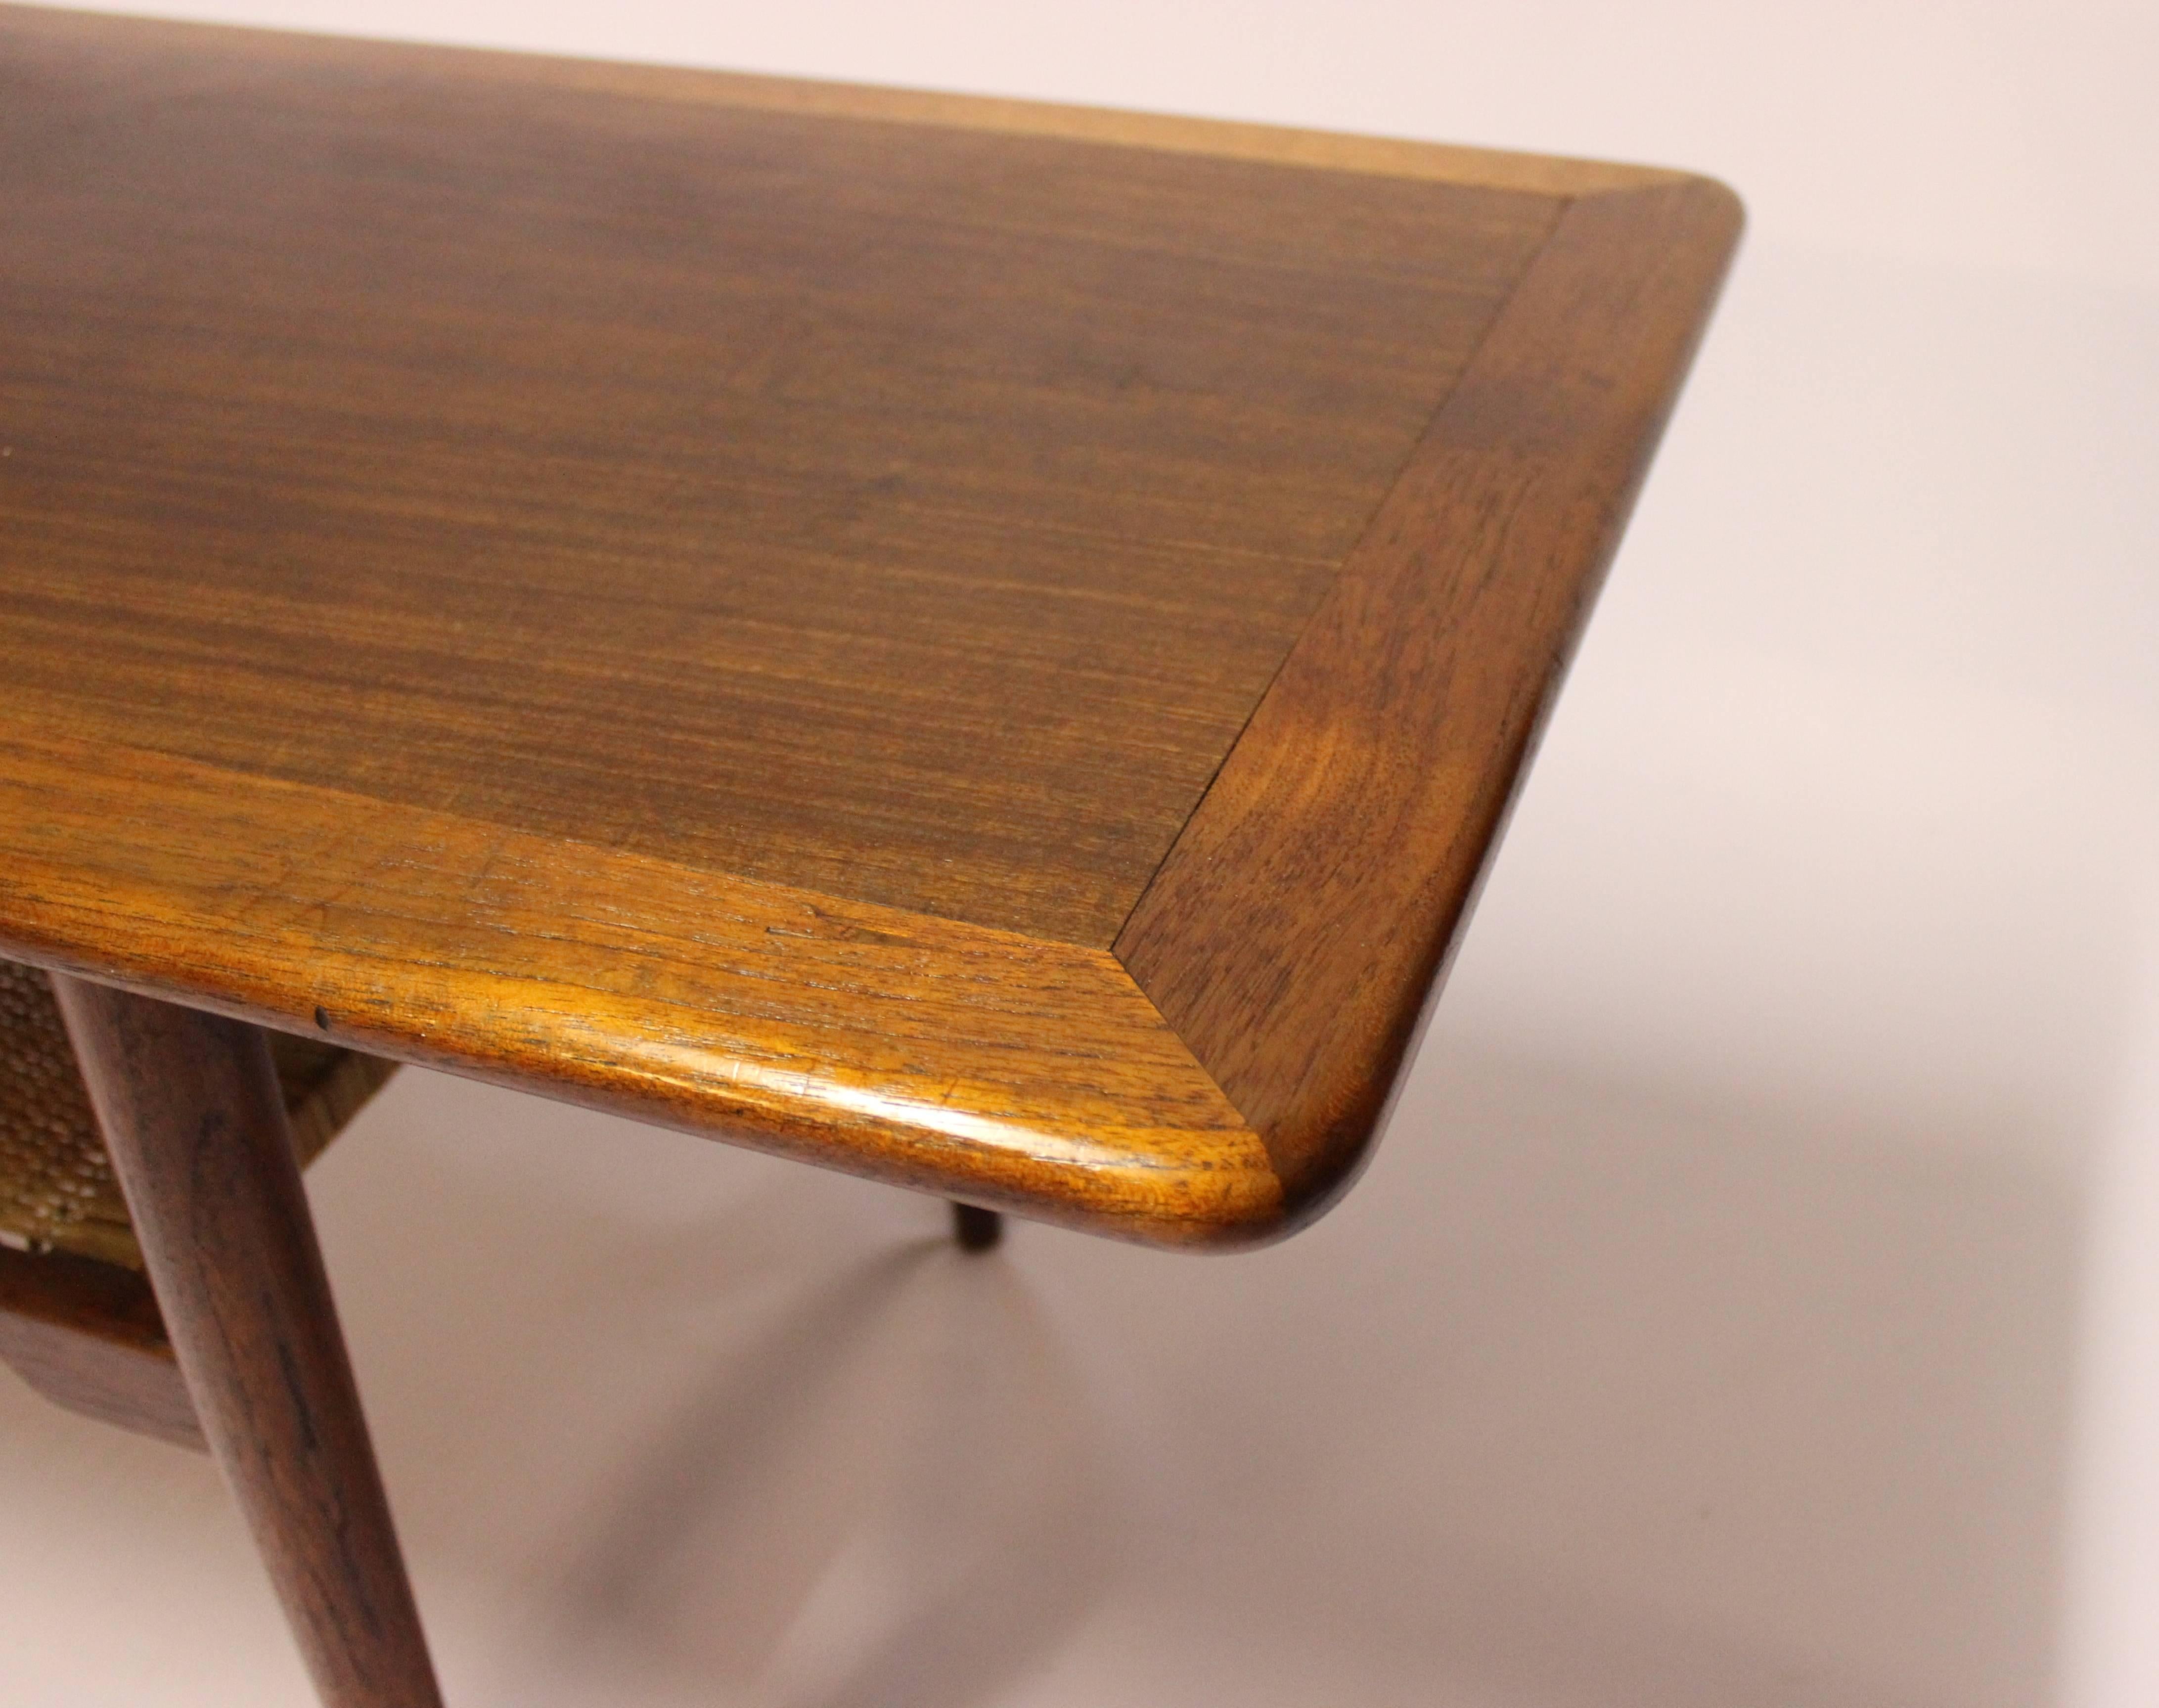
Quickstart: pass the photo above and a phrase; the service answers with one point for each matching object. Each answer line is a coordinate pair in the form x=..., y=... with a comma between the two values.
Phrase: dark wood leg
x=977, y=1230
x=192, y=1115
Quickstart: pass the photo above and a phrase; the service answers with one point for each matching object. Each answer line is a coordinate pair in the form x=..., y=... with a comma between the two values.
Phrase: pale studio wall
x=1752, y=1300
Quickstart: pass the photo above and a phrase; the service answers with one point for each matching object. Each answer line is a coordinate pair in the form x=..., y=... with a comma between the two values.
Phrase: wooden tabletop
x=983, y=644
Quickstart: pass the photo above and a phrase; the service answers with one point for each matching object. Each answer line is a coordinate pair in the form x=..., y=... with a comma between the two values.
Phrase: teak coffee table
x=981, y=644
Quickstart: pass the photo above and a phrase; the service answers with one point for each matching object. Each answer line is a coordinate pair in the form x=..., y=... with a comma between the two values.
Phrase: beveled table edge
x=949, y=1058
x=1350, y=829
x=1476, y=575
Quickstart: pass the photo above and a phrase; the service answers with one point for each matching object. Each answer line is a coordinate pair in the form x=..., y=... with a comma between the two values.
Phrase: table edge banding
x=1218, y=1074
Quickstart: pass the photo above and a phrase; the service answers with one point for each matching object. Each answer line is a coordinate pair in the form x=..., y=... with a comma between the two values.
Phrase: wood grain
x=1016, y=1073
x=56, y=1186
x=87, y=1336
x=78, y=1320
x=983, y=645
x=1346, y=834
x=170, y=50
x=190, y=1109
x=911, y=513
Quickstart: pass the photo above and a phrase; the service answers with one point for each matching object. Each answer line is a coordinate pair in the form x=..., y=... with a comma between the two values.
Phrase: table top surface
x=984, y=644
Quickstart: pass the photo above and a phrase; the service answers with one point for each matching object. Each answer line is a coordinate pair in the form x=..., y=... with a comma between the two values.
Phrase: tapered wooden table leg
x=192, y=1115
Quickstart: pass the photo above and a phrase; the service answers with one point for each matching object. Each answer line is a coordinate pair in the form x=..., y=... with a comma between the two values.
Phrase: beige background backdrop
x=1756, y=1301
